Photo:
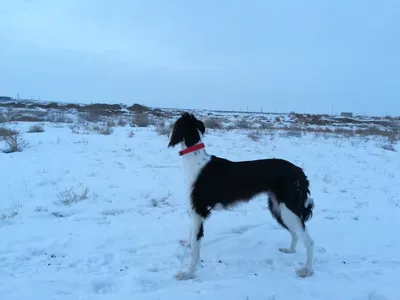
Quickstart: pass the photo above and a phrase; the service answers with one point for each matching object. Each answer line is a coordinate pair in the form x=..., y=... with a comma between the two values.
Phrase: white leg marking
x=294, y=224
x=186, y=243
x=197, y=222
x=293, y=243
x=183, y=242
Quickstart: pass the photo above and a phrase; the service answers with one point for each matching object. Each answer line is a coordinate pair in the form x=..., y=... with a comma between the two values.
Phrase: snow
x=90, y=216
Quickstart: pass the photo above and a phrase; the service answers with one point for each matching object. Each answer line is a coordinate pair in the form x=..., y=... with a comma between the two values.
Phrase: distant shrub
x=3, y=118
x=103, y=129
x=265, y=125
x=58, y=117
x=5, y=132
x=293, y=131
x=74, y=128
x=242, y=124
x=110, y=123
x=393, y=136
x=36, y=128
x=15, y=143
x=90, y=116
x=388, y=145
x=162, y=129
x=122, y=122
x=254, y=135
x=213, y=123
x=141, y=120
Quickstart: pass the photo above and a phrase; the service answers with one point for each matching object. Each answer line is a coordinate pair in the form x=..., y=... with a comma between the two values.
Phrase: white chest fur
x=193, y=163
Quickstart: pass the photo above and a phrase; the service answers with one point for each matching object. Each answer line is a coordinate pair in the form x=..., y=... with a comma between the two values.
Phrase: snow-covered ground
x=90, y=216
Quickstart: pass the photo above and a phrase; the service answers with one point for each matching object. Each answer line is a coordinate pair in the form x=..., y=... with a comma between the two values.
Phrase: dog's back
x=226, y=182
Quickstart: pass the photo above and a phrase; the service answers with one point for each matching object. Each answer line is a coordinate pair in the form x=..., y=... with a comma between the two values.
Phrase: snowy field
x=90, y=216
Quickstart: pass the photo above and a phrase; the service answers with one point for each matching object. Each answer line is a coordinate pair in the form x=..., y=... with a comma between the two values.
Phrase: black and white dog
x=214, y=182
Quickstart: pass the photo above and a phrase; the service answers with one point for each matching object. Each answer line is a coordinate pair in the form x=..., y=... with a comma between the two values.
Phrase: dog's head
x=186, y=129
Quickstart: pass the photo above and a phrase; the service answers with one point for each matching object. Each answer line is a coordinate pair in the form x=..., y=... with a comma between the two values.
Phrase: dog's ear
x=177, y=135
x=200, y=126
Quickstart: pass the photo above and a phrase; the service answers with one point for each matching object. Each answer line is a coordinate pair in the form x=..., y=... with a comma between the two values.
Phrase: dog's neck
x=193, y=148
x=194, y=161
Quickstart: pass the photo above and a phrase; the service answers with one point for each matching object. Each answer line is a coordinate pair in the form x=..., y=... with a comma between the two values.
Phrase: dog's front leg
x=196, y=236
x=186, y=243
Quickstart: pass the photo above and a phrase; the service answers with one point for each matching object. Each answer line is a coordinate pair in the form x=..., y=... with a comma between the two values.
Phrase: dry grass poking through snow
x=72, y=195
x=10, y=213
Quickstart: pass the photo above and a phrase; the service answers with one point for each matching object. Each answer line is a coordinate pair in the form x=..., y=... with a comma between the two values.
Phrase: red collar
x=191, y=149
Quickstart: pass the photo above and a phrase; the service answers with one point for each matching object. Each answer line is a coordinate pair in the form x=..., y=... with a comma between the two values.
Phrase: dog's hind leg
x=196, y=236
x=294, y=224
x=273, y=206
x=293, y=243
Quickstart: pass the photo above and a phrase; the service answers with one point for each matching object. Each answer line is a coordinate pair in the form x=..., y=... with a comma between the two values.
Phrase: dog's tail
x=308, y=209
x=306, y=202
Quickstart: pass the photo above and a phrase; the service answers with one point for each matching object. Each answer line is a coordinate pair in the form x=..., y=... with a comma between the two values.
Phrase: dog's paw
x=184, y=275
x=287, y=250
x=304, y=272
x=184, y=243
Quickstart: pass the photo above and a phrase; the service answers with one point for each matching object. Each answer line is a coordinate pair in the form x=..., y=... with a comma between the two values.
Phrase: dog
x=214, y=182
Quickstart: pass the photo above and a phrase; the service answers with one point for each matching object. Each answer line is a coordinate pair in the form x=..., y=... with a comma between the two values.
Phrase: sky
x=275, y=56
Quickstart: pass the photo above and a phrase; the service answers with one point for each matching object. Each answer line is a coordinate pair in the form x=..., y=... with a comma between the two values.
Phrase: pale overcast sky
x=305, y=56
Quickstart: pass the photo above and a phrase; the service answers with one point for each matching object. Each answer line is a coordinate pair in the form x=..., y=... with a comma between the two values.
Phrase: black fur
x=225, y=182
x=200, y=234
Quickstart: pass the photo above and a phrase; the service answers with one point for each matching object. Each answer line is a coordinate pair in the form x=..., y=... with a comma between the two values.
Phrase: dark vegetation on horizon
x=108, y=115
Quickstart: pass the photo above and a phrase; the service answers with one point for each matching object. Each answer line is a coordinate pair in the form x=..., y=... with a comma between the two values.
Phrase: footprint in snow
x=243, y=229
x=112, y=212
x=103, y=286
